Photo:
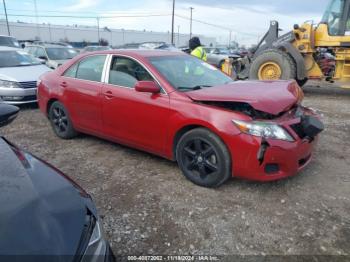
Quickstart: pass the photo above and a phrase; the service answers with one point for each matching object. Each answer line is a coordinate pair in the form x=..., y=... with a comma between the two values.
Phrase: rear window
x=60, y=53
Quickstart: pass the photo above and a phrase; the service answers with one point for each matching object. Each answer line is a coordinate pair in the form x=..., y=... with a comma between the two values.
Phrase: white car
x=53, y=55
x=19, y=73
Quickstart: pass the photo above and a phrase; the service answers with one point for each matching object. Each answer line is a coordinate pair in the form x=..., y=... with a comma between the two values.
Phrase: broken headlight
x=263, y=129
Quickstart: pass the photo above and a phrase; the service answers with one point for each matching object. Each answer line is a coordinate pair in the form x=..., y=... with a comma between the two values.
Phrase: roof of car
x=141, y=52
x=7, y=48
x=47, y=45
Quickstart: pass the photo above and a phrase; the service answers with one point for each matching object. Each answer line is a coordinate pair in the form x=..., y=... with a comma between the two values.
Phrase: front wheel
x=203, y=158
x=272, y=64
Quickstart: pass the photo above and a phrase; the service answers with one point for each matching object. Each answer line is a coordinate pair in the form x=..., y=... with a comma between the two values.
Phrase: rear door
x=82, y=87
x=135, y=118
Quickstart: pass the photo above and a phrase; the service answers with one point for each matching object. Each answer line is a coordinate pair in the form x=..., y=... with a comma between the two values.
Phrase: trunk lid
x=273, y=97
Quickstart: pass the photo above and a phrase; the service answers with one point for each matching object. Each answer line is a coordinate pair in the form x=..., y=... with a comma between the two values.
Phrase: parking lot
x=148, y=207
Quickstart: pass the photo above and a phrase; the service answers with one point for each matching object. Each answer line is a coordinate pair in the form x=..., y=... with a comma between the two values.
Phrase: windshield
x=8, y=41
x=16, y=58
x=224, y=51
x=333, y=16
x=187, y=73
x=60, y=53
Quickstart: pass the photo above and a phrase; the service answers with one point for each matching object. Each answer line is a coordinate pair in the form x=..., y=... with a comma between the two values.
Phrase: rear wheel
x=272, y=64
x=203, y=158
x=60, y=121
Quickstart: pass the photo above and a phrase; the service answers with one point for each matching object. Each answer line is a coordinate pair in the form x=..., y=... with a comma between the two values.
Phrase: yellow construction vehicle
x=307, y=52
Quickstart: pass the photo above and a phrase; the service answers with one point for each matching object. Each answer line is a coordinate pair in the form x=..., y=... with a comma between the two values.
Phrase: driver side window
x=126, y=72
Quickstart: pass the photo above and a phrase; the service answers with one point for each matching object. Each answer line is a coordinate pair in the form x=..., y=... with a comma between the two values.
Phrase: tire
x=60, y=121
x=203, y=158
x=274, y=56
x=302, y=82
x=220, y=64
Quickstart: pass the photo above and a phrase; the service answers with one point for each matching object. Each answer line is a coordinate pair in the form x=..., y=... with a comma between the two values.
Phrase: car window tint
x=32, y=50
x=29, y=50
x=126, y=72
x=40, y=52
x=72, y=71
x=91, y=68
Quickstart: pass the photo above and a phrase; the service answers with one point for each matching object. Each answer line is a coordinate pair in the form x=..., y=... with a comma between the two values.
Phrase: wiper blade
x=24, y=65
x=193, y=87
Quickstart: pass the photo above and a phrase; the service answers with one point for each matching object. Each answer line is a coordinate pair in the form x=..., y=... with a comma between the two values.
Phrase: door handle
x=109, y=94
x=64, y=84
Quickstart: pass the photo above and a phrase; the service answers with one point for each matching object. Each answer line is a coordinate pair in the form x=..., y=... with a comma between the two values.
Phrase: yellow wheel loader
x=319, y=52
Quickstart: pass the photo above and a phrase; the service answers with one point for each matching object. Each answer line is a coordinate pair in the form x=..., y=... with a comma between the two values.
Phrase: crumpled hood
x=23, y=73
x=42, y=213
x=272, y=97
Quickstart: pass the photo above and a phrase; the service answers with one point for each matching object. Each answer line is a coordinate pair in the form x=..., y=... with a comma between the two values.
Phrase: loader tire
x=273, y=64
x=302, y=82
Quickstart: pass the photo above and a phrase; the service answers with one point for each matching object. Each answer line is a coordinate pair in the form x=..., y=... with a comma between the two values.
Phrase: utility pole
x=191, y=8
x=178, y=35
x=229, y=39
x=7, y=21
x=98, y=30
x=172, y=24
x=50, y=32
x=36, y=19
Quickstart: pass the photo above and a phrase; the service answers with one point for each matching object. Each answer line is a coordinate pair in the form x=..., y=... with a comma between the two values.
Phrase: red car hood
x=272, y=97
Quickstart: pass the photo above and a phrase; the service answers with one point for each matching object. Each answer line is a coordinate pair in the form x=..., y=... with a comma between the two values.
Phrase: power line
x=88, y=17
x=114, y=13
x=202, y=22
x=217, y=26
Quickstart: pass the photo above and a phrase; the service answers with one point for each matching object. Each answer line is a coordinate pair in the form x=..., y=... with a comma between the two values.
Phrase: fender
x=298, y=58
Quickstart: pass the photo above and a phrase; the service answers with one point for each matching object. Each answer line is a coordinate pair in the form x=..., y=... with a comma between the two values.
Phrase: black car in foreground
x=44, y=215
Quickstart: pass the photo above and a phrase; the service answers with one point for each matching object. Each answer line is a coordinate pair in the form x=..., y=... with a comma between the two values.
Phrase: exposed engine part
x=244, y=108
x=326, y=61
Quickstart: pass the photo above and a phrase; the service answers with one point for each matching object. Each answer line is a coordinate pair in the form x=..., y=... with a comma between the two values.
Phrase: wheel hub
x=200, y=158
x=269, y=71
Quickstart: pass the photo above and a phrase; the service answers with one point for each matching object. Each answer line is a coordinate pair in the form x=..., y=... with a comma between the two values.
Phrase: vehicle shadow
x=30, y=106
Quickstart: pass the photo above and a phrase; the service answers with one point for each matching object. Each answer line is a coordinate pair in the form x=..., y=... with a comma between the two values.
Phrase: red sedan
x=181, y=108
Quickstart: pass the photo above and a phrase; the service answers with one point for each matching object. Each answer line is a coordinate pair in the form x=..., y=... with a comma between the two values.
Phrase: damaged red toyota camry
x=176, y=106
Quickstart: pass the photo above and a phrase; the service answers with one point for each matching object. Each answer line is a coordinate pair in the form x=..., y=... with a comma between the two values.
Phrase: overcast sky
x=248, y=19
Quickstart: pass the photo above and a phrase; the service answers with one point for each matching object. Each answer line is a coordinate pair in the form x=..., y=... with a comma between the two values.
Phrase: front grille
x=29, y=98
x=299, y=130
x=25, y=85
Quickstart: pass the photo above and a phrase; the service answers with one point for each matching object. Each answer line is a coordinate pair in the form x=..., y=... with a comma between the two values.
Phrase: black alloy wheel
x=203, y=158
x=61, y=122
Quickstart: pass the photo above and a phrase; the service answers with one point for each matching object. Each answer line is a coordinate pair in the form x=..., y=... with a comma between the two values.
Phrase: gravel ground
x=148, y=207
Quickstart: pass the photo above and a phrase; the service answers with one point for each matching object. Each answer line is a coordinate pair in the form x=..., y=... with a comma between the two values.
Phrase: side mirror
x=7, y=114
x=42, y=58
x=147, y=87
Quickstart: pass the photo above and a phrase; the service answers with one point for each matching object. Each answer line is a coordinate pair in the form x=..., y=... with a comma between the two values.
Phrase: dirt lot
x=148, y=207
